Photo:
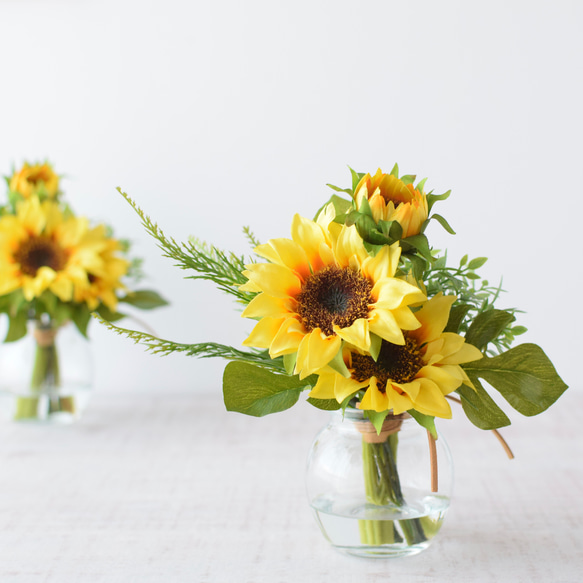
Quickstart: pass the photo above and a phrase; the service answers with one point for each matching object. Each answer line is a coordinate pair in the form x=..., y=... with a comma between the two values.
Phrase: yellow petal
x=288, y=338
x=288, y=253
x=384, y=264
x=373, y=399
x=315, y=351
x=446, y=378
x=357, y=334
x=275, y=280
x=398, y=402
x=309, y=236
x=465, y=353
x=431, y=401
x=264, y=332
x=324, y=388
x=405, y=318
x=383, y=324
x=266, y=305
x=433, y=317
x=392, y=293
x=350, y=250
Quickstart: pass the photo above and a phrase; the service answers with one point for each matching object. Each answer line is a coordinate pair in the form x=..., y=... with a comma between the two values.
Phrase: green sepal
x=375, y=346
x=443, y=223
x=408, y=179
x=253, y=390
x=337, y=364
x=426, y=421
x=480, y=408
x=144, y=299
x=523, y=375
x=433, y=198
x=395, y=171
x=289, y=362
x=338, y=189
x=377, y=419
x=356, y=178
x=487, y=326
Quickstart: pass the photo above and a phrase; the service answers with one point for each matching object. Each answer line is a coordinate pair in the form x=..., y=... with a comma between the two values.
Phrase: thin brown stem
x=494, y=431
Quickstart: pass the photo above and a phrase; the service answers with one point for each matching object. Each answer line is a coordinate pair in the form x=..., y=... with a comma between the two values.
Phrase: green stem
x=383, y=486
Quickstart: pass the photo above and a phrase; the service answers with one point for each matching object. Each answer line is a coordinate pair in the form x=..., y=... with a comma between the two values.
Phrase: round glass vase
x=378, y=495
x=46, y=376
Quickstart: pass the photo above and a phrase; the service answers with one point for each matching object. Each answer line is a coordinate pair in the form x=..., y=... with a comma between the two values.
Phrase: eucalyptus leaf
x=257, y=391
x=523, y=375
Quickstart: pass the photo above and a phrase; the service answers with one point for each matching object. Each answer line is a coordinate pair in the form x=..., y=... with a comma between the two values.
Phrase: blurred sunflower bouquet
x=57, y=268
x=358, y=310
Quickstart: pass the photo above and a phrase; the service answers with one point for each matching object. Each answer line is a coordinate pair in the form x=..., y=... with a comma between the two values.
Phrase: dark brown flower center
x=395, y=363
x=37, y=252
x=334, y=296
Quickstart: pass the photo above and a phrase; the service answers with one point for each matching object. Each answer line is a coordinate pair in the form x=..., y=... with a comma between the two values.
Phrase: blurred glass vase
x=46, y=376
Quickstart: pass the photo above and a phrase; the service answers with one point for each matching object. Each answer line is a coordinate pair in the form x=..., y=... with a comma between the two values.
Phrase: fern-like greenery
x=206, y=261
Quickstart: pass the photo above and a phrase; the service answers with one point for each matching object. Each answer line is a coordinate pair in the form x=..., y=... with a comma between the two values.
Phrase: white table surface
x=168, y=487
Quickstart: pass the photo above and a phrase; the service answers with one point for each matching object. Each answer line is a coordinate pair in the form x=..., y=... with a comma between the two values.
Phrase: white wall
x=219, y=114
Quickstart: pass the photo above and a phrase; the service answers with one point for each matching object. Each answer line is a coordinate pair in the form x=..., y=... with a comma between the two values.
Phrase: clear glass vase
x=378, y=495
x=47, y=375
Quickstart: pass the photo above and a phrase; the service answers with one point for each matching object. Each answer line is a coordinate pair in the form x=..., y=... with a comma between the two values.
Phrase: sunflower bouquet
x=358, y=310
x=56, y=268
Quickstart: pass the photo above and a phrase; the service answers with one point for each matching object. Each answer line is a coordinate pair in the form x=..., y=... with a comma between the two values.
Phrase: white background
x=218, y=114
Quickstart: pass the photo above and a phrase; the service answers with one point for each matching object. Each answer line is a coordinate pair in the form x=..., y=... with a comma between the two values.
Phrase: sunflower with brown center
x=415, y=375
x=43, y=249
x=320, y=288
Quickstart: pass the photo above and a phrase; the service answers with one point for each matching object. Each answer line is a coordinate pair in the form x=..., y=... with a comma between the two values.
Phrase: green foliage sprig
x=206, y=261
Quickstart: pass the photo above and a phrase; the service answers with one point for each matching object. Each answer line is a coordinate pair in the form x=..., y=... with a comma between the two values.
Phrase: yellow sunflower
x=35, y=179
x=104, y=275
x=391, y=199
x=319, y=289
x=416, y=375
x=41, y=249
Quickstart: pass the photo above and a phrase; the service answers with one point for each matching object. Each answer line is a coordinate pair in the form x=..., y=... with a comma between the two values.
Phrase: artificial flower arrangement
x=359, y=311
x=57, y=268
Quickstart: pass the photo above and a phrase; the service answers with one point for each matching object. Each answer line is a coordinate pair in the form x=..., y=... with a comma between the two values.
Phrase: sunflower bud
x=392, y=199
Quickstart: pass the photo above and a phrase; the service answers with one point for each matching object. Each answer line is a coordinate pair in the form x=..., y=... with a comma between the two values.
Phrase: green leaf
x=479, y=407
x=338, y=189
x=418, y=243
x=81, y=316
x=108, y=315
x=324, y=404
x=144, y=299
x=456, y=317
x=426, y=421
x=477, y=262
x=17, y=326
x=523, y=375
x=463, y=260
x=443, y=223
x=257, y=391
x=375, y=346
x=487, y=326
x=338, y=364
